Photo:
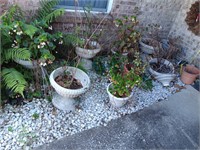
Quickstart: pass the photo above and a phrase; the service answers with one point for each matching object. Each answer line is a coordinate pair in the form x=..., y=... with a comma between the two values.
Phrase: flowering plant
x=35, y=38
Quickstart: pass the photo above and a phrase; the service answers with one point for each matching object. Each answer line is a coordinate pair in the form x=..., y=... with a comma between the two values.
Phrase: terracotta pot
x=127, y=68
x=189, y=74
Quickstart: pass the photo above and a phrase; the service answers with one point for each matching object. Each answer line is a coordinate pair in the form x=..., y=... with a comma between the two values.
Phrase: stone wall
x=189, y=41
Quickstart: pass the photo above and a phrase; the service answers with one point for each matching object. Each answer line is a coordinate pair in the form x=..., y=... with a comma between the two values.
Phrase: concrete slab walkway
x=172, y=124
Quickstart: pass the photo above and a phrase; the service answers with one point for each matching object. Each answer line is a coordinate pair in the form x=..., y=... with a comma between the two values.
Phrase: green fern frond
x=46, y=8
x=56, y=13
x=17, y=53
x=14, y=80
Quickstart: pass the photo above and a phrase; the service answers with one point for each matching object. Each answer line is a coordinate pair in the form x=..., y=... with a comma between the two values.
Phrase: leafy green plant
x=146, y=83
x=122, y=84
x=12, y=79
x=22, y=39
x=128, y=36
x=99, y=65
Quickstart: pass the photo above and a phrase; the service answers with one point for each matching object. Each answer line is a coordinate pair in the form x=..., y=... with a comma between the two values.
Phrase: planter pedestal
x=86, y=63
x=63, y=103
x=87, y=54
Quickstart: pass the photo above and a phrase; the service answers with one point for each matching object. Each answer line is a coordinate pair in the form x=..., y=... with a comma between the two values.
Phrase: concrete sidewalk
x=172, y=124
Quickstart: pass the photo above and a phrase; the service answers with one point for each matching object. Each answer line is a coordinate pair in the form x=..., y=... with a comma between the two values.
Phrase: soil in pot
x=160, y=67
x=67, y=81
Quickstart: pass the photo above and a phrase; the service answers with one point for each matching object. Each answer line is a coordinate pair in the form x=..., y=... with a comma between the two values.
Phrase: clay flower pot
x=189, y=74
x=127, y=68
x=87, y=54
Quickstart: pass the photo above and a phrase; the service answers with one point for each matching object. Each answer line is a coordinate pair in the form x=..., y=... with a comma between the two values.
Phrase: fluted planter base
x=63, y=103
x=86, y=63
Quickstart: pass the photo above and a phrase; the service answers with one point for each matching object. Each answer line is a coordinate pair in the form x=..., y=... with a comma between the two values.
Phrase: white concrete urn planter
x=64, y=98
x=147, y=49
x=27, y=63
x=87, y=54
x=164, y=78
x=116, y=101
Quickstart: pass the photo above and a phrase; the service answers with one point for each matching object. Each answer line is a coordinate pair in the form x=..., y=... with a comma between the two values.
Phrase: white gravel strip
x=20, y=130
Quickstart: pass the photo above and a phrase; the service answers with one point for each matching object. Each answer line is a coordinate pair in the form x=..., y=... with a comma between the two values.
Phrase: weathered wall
x=189, y=41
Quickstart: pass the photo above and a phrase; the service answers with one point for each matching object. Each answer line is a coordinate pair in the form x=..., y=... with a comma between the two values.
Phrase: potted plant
x=120, y=88
x=88, y=46
x=127, y=36
x=69, y=82
x=150, y=41
x=160, y=67
x=189, y=73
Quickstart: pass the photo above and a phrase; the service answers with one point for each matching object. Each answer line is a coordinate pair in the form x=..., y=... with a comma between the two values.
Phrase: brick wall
x=189, y=41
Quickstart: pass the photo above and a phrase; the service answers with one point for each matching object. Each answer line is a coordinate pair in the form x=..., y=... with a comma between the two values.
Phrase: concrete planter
x=164, y=78
x=64, y=99
x=87, y=54
x=116, y=101
x=147, y=49
x=27, y=63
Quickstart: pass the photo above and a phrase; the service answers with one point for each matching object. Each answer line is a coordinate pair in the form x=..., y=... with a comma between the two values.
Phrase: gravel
x=39, y=122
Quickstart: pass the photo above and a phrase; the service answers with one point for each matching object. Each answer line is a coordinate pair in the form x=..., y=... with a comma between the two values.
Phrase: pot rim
x=193, y=68
x=164, y=60
x=54, y=82
x=118, y=98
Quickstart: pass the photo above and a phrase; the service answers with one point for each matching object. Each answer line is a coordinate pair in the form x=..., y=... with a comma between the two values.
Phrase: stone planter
x=147, y=49
x=189, y=74
x=164, y=78
x=116, y=101
x=64, y=99
x=27, y=63
x=87, y=54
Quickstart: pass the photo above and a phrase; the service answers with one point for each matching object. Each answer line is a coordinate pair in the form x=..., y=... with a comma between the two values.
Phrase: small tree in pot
x=120, y=88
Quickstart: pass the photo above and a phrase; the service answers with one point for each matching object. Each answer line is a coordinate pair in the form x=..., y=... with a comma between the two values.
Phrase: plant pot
x=116, y=101
x=127, y=68
x=113, y=50
x=189, y=74
x=64, y=99
x=164, y=78
x=147, y=49
x=27, y=63
x=87, y=54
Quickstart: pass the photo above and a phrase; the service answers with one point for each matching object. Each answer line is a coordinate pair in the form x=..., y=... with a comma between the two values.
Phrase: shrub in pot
x=127, y=35
x=120, y=88
x=87, y=46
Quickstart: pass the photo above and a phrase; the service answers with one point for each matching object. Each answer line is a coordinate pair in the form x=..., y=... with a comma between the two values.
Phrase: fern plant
x=14, y=80
x=46, y=11
x=11, y=78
